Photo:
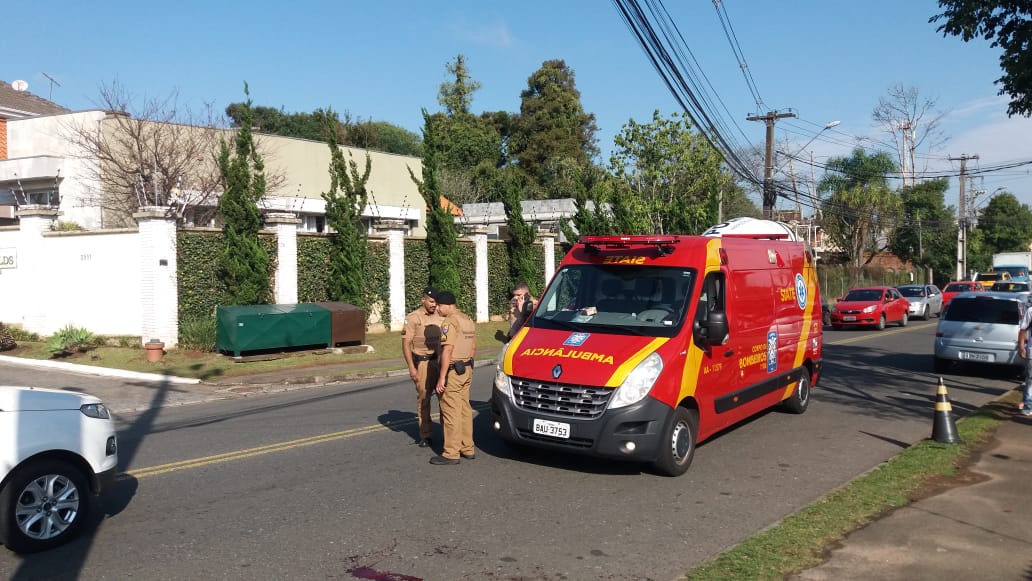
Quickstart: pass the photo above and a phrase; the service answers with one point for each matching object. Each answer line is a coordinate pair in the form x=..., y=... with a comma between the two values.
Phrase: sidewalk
x=978, y=531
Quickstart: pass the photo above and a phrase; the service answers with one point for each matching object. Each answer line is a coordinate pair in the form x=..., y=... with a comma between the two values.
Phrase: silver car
x=925, y=299
x=979, y=327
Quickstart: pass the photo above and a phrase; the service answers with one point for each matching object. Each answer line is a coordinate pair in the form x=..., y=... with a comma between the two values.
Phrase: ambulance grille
x=570, y=401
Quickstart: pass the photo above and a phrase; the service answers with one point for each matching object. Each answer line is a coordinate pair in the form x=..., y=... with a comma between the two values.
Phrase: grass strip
x=209, y=366
x=802, y=540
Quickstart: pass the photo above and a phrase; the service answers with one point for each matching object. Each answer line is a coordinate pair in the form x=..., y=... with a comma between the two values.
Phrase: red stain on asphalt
x=369, y=573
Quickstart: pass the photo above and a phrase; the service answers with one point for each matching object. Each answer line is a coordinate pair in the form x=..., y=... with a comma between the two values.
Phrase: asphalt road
x=326, y=482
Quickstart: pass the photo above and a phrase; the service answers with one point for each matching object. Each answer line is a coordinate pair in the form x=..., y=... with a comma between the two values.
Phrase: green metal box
x=258, y=327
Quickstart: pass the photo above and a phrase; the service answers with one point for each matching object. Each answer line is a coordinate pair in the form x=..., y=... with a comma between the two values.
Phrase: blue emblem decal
x=772, y=351
x=800, y=290
x=576, y=339
x=557, y=371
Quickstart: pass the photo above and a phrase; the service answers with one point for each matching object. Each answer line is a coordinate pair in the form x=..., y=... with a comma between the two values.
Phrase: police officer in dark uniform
x=458, y=348
x=420, y=344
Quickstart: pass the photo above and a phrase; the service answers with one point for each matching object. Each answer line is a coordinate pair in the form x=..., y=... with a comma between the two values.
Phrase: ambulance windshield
x=633, y=300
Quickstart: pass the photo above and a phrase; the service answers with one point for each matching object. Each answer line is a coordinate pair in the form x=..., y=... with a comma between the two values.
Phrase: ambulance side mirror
x=712, y=330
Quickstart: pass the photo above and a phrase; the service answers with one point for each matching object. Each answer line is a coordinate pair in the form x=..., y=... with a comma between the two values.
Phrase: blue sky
x=825, y=59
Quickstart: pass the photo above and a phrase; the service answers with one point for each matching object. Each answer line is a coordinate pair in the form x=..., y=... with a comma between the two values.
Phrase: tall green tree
x=592, y=209
x=1007, y=25
x=927, y=234
x=1006, y=224
x=442, y=238
x=457, y=96
x=523, y=265
x=673, y=174
x=552, y=131
x=469, y=146
x=243, y=264
x=345, y=201
x=859, y=207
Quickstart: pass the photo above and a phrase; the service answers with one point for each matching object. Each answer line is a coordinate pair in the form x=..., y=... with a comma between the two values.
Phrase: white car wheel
x=42, y=505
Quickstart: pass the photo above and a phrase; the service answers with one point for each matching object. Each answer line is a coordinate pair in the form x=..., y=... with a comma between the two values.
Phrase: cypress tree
x=243, y=266
x=442, y=238
x=344, y=204
x=522, y=263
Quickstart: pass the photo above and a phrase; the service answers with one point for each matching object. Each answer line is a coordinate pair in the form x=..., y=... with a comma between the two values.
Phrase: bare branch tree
x=913, y=122
x=152, y=152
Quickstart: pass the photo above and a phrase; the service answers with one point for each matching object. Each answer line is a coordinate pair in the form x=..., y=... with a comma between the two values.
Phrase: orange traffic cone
x=944, y=430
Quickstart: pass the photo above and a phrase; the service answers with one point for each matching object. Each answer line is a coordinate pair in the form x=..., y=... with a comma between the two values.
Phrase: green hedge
x=200, y=291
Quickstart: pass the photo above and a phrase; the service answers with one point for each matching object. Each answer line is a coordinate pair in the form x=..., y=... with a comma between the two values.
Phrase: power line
x=679, y=70
x=729, y=33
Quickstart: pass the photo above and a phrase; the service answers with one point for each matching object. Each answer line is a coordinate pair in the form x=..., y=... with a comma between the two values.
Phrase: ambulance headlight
x=501, y=379
x=638, y=383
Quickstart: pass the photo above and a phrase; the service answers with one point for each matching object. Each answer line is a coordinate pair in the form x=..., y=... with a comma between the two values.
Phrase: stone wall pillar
x=159, y=280
x=479, y=235
x=393, y=316
x=33, y=221
x=547, y=239
x=284, y=224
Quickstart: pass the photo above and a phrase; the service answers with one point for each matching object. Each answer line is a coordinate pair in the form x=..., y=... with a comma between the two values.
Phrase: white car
x=58, y=450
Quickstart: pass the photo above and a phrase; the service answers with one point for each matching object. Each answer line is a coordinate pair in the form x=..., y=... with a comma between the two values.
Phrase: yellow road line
x=876, y=334
x=267, y=449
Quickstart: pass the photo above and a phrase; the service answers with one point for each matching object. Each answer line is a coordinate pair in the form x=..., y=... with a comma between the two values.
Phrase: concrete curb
x=93, y=370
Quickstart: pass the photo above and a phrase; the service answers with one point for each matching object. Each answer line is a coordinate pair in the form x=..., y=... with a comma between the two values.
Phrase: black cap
x=445, y=298
x=430, y=292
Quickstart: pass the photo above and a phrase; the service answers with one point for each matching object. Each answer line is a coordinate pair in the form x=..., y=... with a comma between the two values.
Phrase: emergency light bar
x=662, y=243
x=757, y=236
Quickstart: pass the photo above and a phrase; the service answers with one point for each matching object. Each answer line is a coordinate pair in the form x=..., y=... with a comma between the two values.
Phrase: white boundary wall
x=124, y=282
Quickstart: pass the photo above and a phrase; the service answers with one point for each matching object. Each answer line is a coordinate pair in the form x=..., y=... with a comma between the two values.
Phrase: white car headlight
x=638, y=383
x=870, y=309
x=95, y=410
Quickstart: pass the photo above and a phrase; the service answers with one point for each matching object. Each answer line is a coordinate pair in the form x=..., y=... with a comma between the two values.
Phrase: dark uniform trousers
x=457, y=414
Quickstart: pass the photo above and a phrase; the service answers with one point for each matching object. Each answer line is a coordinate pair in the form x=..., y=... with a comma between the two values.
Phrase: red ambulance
x=643, y=346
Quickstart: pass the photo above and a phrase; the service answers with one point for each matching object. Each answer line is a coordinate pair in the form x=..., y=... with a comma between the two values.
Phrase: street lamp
x=829, y=125
x=813, y=197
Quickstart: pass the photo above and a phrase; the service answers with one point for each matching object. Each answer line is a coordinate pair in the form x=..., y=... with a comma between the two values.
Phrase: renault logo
x=557, y=371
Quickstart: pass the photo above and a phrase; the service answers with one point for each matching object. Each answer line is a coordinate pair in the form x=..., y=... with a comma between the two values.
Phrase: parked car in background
x=57, y=452
x=871, y=306
x=925, y=299
x=979, y=327
x=961, y=286
x=1022, y=288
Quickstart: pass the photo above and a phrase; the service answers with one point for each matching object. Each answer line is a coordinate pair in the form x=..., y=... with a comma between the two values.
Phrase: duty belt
x=418, y=358
x=467, y=362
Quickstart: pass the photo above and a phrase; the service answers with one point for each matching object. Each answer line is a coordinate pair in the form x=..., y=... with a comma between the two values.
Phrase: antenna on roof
x=52, y=83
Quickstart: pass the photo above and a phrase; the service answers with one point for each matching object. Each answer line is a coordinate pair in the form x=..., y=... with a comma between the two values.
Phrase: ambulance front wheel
x=800, y=398
x=678, y=444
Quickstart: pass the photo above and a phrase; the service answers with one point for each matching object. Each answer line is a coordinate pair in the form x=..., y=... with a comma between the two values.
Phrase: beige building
x=75, y=161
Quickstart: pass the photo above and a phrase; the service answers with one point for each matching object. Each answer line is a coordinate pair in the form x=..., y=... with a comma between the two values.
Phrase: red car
x=874, y=306
x=960, y=286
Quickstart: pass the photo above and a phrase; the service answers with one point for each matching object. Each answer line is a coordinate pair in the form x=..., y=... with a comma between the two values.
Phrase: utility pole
x=962, y=219
x=904, y=127
x=770, y=195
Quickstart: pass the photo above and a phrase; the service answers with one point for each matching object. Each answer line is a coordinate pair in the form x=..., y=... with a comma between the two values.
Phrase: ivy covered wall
x=200, y=291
